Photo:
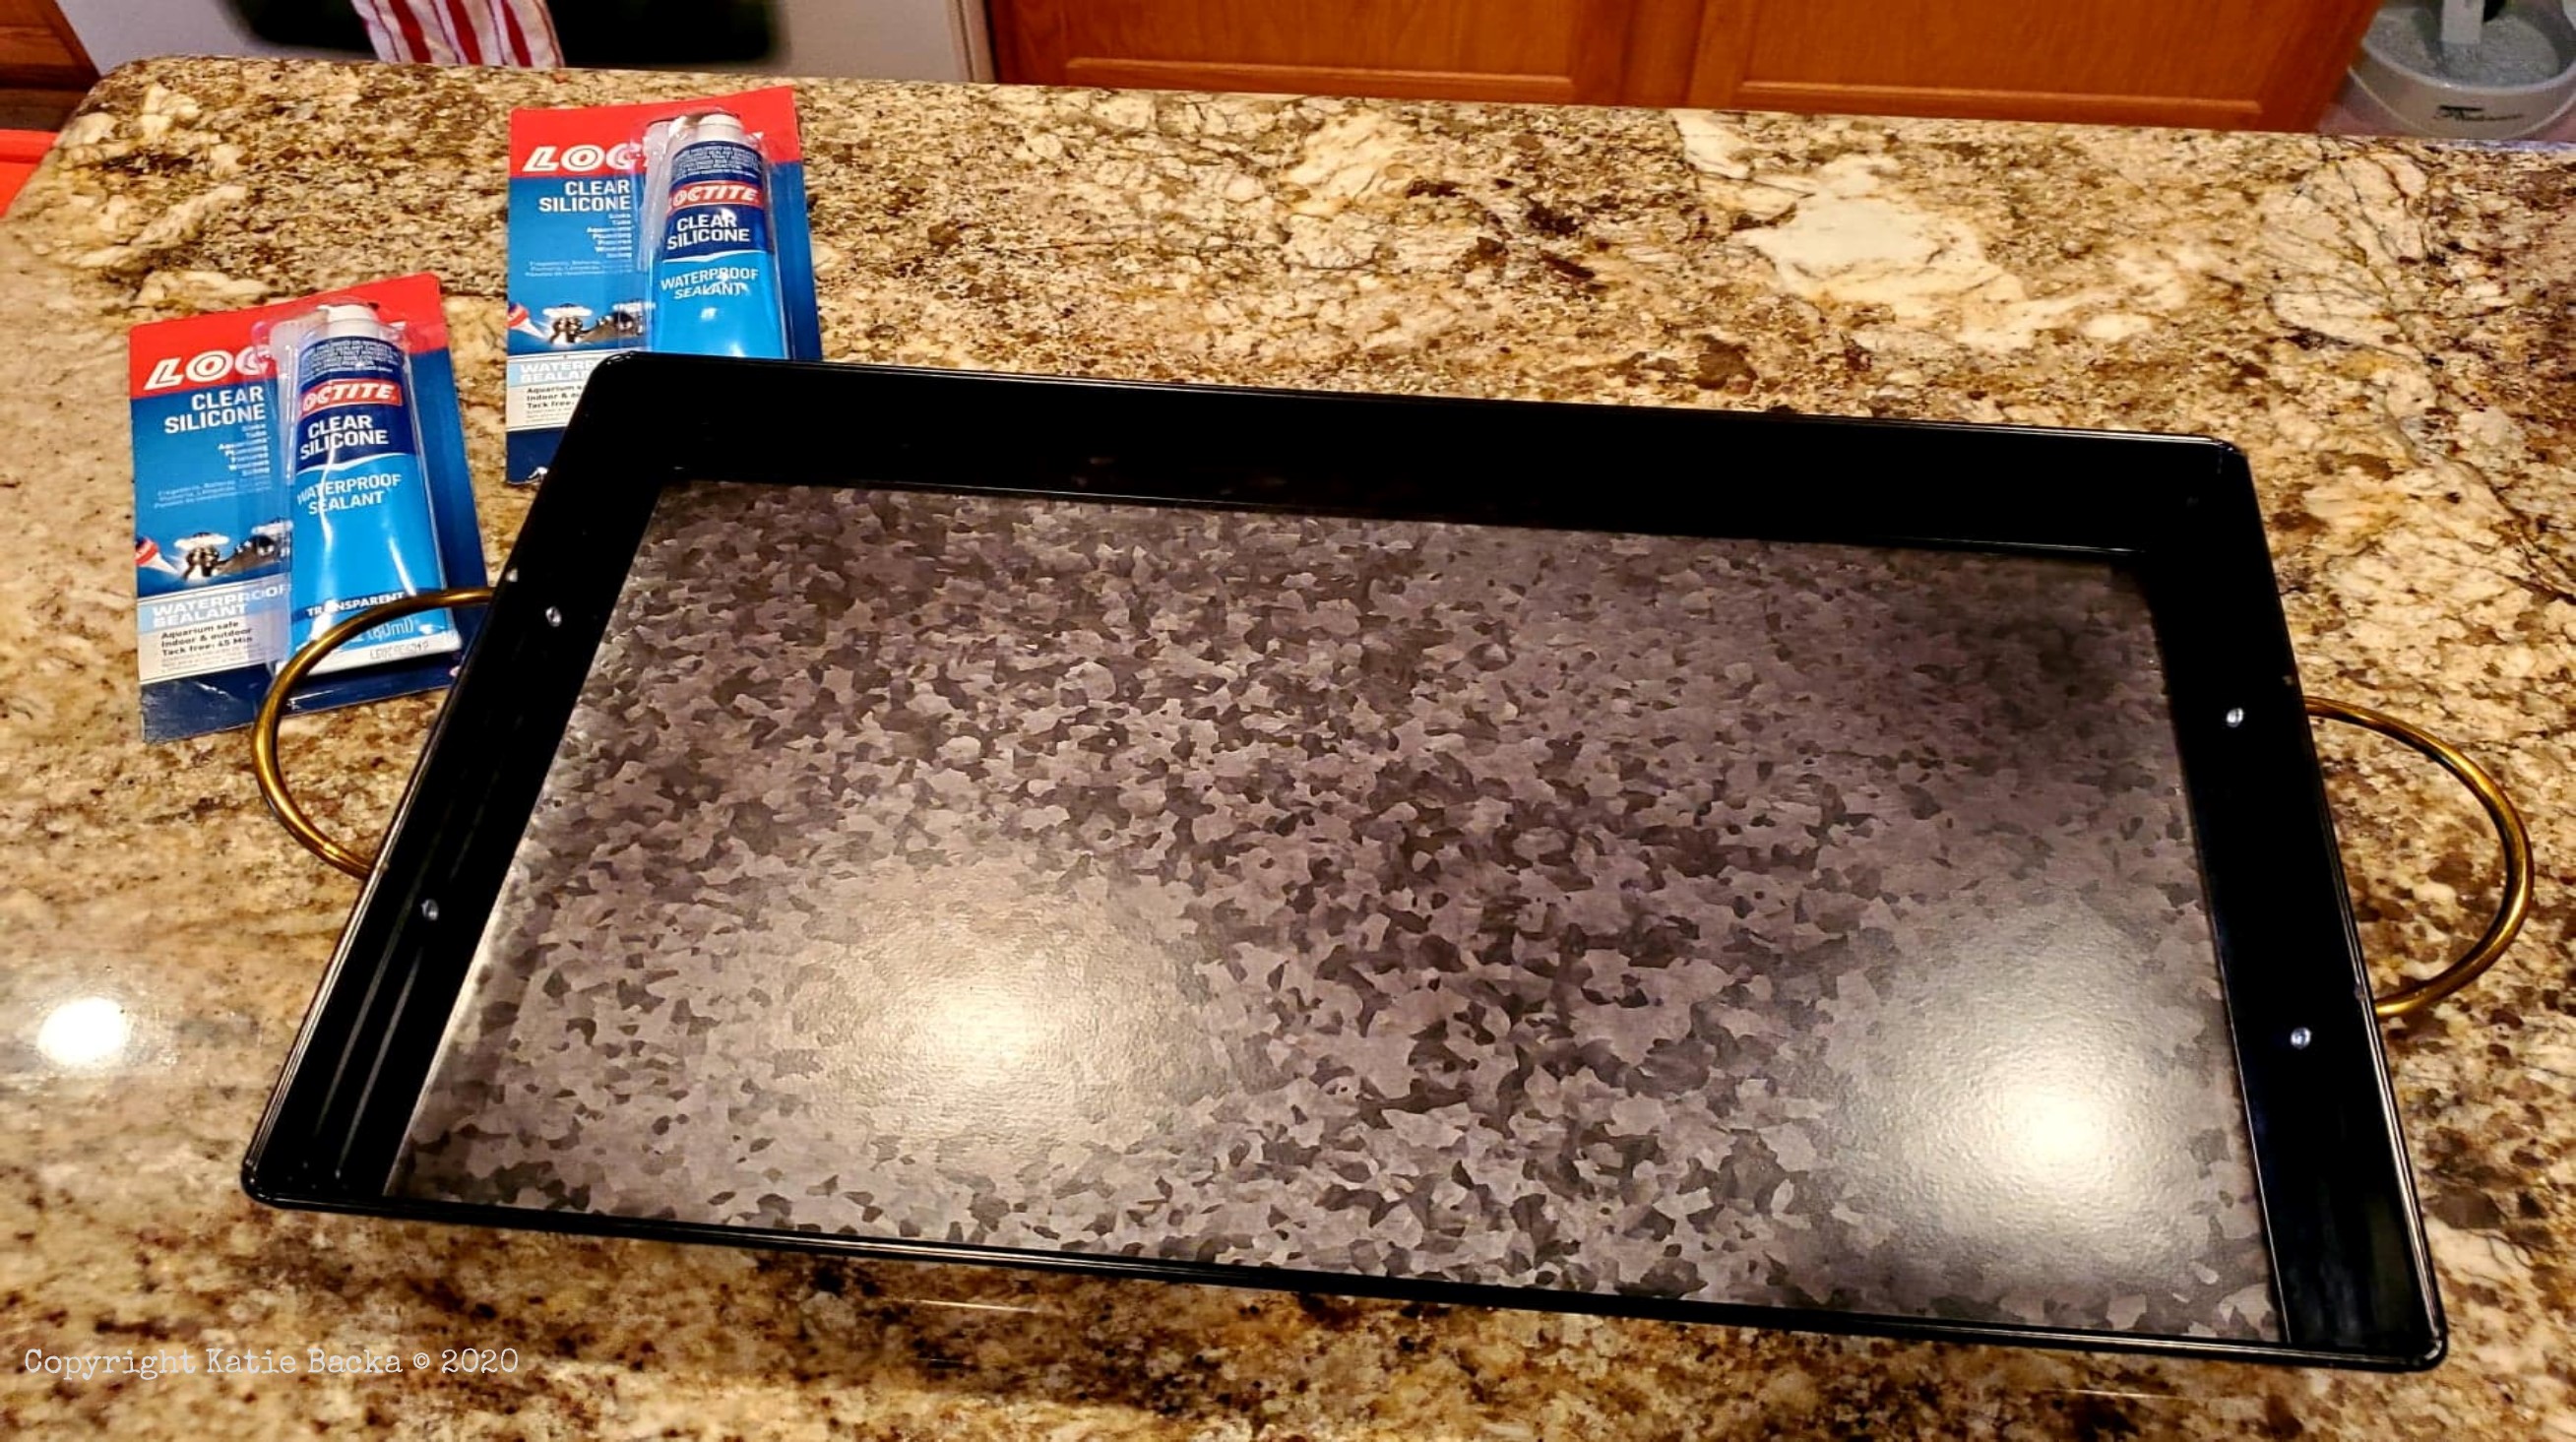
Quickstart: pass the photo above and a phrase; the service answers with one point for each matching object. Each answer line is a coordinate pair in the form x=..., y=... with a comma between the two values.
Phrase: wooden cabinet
x=42, y=67
x=1592, y=52
x=37, y=47
x=2224, y=63
x=2171, y=62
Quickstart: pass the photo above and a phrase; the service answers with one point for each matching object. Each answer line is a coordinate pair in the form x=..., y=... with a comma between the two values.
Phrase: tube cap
x=717, y=125
x=353, y=320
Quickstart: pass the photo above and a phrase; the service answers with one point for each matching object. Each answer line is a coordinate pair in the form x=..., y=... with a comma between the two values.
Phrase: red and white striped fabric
x=462, y=32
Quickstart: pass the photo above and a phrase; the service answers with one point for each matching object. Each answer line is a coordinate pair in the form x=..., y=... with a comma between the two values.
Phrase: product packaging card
x=254, y=507
x=720, y=263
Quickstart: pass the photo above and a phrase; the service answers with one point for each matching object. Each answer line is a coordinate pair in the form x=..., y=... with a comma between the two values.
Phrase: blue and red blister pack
x=719, y=261
x=266, y=507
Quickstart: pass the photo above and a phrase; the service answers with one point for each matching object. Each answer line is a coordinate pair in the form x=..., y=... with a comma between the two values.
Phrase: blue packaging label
x=714, y=284
x=575, y=297
x=363, y=532
x=719, y=202
x=351, y=404
x=210, y=541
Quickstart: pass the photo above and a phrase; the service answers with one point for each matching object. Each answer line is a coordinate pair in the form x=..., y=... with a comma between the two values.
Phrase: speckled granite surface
x=2384, y=327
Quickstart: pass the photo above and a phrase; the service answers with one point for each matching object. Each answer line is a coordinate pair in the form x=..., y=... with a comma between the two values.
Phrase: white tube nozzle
x=346, y=320
x=716, y=125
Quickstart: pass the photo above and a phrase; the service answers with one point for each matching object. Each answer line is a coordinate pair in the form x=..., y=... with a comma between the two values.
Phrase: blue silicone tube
x=363, y=533
x=715, y=267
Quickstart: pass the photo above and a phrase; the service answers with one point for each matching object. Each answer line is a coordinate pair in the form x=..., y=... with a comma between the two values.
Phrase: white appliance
x=2451, y=68
x=883, y=39
x=874, y=39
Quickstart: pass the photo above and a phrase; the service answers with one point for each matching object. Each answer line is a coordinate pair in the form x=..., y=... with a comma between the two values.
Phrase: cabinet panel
x=1296, y=79
x=2176, y=62
x=1547, y=50
x=37, y=47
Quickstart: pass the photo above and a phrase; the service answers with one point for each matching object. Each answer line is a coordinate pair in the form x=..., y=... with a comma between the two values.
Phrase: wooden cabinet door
x=1578, y=51
x=2229, y=63
x=37, y=48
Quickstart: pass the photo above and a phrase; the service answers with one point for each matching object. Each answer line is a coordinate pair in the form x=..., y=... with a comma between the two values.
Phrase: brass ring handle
x=272, y=711
x=2415, y=996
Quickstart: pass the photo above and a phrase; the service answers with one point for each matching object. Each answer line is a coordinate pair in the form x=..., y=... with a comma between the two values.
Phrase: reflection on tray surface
x=1795, y=925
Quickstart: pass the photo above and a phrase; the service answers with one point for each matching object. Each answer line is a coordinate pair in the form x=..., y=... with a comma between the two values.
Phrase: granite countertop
x=2384, y=327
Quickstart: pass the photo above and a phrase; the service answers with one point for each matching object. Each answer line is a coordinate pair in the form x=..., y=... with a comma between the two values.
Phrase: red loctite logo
x=581, y=159
x=715, y=192
x=351, y=393
x=205, y=368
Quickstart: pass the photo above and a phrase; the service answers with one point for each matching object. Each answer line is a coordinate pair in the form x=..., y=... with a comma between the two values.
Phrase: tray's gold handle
x=2415, y=996
x=272, y=711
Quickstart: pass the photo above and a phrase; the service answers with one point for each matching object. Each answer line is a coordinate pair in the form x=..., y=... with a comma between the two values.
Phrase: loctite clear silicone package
x=267, y=505
x=594, y=238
